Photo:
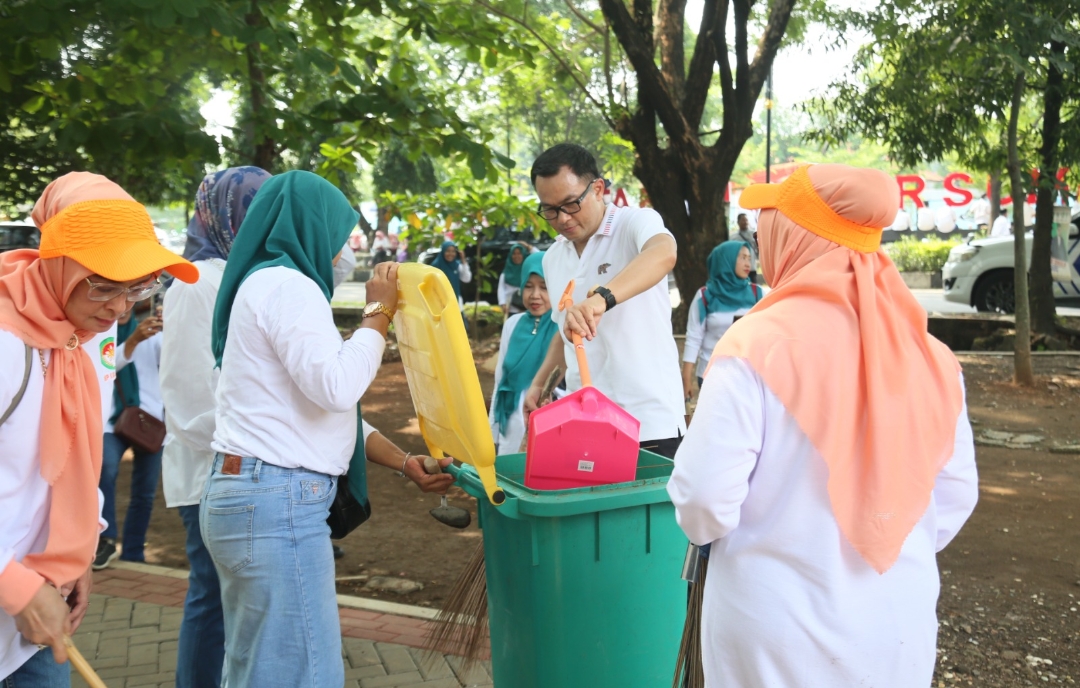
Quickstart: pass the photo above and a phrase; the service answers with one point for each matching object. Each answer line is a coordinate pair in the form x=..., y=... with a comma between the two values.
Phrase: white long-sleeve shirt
x=187, y=384
x=505, y=291
x=702, y=336
x=289, y=385
x=24, y=494
x=788, y=601
x=465, y=275
x=146, y=358
x=508, y=439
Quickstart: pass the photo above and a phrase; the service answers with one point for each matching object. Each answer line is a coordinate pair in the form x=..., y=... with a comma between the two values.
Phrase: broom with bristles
x=689, y=672
x=462, y=624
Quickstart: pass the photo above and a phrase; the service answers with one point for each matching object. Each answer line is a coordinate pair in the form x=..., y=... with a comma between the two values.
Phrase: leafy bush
x=913, y=255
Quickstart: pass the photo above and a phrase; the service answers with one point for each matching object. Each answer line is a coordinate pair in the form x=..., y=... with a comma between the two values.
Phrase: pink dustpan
x=583, y=439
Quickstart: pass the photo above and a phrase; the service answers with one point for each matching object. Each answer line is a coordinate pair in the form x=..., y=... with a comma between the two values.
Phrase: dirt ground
x=1010, y=581
x=1010, y=597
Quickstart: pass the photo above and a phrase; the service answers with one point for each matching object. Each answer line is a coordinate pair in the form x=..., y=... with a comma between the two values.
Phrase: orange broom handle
x=565, y=302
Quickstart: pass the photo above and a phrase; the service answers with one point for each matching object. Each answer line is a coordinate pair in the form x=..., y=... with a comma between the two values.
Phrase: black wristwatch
x=609, y=298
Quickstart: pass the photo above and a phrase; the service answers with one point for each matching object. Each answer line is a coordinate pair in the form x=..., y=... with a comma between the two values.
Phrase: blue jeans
x=40, y=671
x=200, y=653
x=266, y=531
x=144, y=481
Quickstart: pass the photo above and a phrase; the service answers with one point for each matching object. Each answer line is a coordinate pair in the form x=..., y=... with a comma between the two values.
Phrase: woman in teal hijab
x=454, y=267
x=525, y=340
x=727, y=295
x=289, y=433
x=509, y=290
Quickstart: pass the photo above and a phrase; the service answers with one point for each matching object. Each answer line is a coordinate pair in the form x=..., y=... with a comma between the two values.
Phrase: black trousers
x=666, y=447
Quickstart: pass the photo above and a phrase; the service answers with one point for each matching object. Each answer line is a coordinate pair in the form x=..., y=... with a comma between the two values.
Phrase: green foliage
x=90, y=85
x=470, y=211
x=928, y=255
x=114, y=86
x=396, y=171
x=936, y=80
x=467, y=209
x=791, y=144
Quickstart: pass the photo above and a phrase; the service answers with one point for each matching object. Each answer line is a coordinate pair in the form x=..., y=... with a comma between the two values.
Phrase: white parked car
x=979, y=273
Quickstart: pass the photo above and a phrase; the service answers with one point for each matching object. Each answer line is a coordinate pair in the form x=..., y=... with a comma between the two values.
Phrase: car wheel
x=995, y=293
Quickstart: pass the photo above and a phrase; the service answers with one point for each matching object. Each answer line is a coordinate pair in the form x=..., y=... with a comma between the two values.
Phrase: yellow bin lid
x=441, y=373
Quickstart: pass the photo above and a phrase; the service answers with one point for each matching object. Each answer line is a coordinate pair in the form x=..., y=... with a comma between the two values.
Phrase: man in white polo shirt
x=619, y=259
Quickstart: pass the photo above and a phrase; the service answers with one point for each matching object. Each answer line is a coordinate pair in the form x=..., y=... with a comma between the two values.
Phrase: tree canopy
x=938, y=80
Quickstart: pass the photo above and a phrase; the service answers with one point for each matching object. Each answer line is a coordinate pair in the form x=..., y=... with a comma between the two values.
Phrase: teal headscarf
x=126, y=377
x=300, y=221
x=512, y=273
x=450, y=268
x=297, y=220
x=727, y=292
x=525, y=353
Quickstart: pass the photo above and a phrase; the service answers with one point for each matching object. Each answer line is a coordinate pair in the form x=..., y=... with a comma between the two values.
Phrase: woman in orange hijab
x=830, y=457
x=58, y=310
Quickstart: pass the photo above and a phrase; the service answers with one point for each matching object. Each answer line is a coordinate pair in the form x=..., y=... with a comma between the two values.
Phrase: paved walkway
x=130, y=632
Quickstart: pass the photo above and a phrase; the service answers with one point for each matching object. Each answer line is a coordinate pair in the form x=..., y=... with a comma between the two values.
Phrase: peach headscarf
x=844, y=345
x=33, y=293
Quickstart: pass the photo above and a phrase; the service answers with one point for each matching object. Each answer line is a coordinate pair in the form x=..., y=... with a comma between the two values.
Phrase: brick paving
x=130, y=633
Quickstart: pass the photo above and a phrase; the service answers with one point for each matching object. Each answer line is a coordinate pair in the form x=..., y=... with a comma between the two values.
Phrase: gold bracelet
x=401, y=473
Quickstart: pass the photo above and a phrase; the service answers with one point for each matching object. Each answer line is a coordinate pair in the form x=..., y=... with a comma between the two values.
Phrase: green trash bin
x=584, y=586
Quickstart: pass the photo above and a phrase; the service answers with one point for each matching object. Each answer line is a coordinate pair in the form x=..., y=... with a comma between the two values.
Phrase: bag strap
x=754, y=288
x=22, y=388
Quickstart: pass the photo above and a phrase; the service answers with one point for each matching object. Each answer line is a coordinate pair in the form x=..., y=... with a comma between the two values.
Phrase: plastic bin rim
x=522, y=501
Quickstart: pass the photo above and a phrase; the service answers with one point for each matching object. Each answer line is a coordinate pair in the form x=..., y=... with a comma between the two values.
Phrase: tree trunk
x=382, y=223
x=995, y=197
x=265, y=151
x=1023, y=373
x=365, y=226
x=685, y=180
x=692, y=206
x=1043, y=310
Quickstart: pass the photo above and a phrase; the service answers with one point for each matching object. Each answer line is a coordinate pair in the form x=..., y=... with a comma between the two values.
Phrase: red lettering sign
x=620, y=198
x=913, y=193
x=950, y=184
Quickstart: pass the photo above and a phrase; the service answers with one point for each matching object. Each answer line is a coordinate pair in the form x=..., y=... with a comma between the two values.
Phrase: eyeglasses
x=107, y=291
x=551, y=213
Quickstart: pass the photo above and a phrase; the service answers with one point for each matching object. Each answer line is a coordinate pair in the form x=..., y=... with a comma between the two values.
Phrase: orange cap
x=796, y=198
x=115, y=238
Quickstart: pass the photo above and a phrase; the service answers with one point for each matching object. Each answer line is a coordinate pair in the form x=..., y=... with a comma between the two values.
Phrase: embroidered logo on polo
x=602, y=270
x=108, y=353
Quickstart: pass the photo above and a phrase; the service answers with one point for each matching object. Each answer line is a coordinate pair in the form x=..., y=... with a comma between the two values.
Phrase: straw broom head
x=461, y=628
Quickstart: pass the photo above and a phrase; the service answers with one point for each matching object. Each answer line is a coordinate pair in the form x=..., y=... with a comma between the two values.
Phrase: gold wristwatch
x=374, y=308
